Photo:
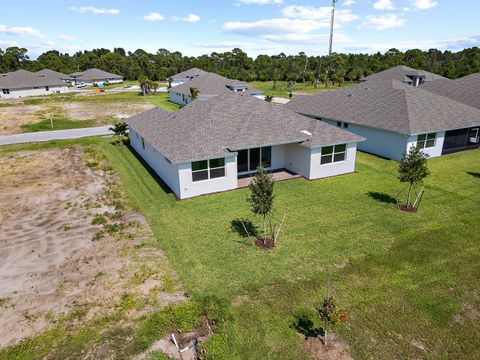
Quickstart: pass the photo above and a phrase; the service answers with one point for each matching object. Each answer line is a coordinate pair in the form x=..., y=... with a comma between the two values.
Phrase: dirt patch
x=407, y=208
x=266, y=245
x=104, y=110
x=68, y=248
x=335, y=350
x=12, y=117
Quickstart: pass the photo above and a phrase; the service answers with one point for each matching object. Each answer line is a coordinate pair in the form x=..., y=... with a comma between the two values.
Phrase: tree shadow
x=305, y=326
x=474, y=174
x=382, y=197
x=239, y=228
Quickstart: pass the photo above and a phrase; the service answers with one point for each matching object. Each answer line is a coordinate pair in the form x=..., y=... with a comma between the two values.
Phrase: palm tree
x=268, y=98
x=154, y=85
x=194, y=93
x=170, y=80
x=144, y=83
x=120, y=130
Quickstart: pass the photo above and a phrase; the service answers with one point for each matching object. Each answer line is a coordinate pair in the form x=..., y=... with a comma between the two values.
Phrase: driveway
x=54, y=135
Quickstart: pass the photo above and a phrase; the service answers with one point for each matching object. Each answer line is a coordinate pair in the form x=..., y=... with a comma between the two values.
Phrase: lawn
x=408, y=281
x=58, y=124
x=282, y=88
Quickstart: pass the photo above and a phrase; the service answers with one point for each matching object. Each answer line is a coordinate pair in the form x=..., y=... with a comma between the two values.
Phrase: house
x=393, y=115
x=186, y=76
x=406, y=75
x=95, y=77
x=207, y=145
x=51, y=73
x=23, y=83
x=209, y=85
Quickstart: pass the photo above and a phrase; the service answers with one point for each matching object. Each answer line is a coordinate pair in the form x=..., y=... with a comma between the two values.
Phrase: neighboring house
x=186, y=76
x=95, y=77
x=406, y=75
x=204, y=147
x=393, y=116
x=55, y=74
x=23, y=83
x=209, y=85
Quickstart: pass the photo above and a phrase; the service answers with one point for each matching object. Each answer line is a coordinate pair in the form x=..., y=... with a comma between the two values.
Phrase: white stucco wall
x=189, y=188
x=433, y=151
x=178, y=99
x=19, y=93
x=297, y=159
x=166, y=171
x=318, y=171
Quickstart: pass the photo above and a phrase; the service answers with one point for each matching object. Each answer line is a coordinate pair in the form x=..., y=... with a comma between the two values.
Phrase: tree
x=330, y=312
x=413, y=169
x=269, y=98
x=144, y=83
x=194, y=93
x=154, y=85
x=170, y=80
x=120, y=130
x=261, y=196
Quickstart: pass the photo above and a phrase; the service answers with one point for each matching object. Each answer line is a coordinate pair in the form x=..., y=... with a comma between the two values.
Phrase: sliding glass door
x=248, y=160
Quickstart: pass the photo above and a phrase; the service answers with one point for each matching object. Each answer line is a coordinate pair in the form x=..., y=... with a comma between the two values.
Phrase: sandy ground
x=50, y=264
x=12, y=117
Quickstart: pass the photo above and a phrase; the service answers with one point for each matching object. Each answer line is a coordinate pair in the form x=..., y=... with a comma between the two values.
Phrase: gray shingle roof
x=210, y=84
x=402, y=73
x=53, y=73
x=22, y=79
x=94, y=74
x=466, y=91
x=193, y=72
x=389, y=105
x=230, y=122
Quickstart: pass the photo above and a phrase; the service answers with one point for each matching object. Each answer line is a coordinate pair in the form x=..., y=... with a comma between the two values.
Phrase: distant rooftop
x=188, y=74
x=94, y=74
x=22, y=79
x=404, y=74
x=53, y=73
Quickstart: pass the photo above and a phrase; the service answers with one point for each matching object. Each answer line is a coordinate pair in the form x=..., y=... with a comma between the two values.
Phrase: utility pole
x=331, y=27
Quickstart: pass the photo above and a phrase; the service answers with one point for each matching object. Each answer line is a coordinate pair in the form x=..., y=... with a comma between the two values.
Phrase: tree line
x=236, y=64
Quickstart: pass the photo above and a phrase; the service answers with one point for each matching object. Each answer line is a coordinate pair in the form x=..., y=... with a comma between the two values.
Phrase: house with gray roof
x=22, y=83
x=393, y=116
x=186, y=76
x=406, y=75
x=207, y=145
x=52, y=73
x=95, y=77
x=209, y=85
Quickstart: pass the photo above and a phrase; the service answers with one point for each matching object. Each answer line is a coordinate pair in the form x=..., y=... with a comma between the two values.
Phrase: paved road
x=54, y=135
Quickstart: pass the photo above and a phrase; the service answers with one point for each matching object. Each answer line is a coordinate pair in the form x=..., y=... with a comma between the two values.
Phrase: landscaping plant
x=120, y=130
x=194, y=93
x=330, y=312
x=261, y=196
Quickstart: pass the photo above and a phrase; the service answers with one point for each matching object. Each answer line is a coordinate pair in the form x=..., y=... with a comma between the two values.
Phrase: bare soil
x=54, y=262
x=268, y=244
x=407, y=208
x=336, y=350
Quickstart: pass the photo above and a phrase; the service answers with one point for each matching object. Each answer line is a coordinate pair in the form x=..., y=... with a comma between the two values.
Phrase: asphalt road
x=54, y=135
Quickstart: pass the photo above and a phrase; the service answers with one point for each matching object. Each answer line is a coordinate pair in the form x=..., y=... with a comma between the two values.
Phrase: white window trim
x=248, y=162
x=208, y=169
x=333, y=155
x=425, y=141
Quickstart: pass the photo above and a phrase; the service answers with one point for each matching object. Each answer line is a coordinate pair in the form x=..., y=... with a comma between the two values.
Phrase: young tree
x=269, y=98
x=261, y=196
x=120, y=130
x=154, y=85
x=194, y=93
x=144, y=83
x=412, y=169
x=330, y=312
x=170, y=80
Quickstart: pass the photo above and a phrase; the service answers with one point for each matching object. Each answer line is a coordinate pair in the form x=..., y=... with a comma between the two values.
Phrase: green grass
x=58, y=124
x=403, y=277
x=282, y=88
x=5, y=105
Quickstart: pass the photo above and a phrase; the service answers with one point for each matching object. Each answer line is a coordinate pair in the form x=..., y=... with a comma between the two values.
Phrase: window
x=6, y=91
x=339, y=123
x=208, y=169
x=249, y=159
x=425, y=141
x=334, y=153
x=345, y=125
x=143, y=143
x=47, y=88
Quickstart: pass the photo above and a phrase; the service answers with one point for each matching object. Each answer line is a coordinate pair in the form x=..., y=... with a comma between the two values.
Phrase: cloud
x=383, y=5
x=7, y=43
x=382, y=22
x=307, y=38
x=321, y=13
x=191, y=18
x=273, y=26
x=235, y=44
x=424, y=4
x=94, y=10
x=260, y=2
x=349, y=2
x=19, y=30
x=154, y=16
x=66, y=38
x=48, y=43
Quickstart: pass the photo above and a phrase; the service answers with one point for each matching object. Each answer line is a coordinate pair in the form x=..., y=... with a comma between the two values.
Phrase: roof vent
x=306, y=132
x=350, y=94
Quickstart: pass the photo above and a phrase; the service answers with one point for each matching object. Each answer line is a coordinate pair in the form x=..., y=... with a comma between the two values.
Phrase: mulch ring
x=268, y=244
x=407, y=208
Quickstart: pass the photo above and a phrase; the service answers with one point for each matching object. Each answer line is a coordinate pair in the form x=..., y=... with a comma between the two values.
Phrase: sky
x=196, y=27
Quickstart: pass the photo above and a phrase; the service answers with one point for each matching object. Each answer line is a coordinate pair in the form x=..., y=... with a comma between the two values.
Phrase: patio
x=278, y=175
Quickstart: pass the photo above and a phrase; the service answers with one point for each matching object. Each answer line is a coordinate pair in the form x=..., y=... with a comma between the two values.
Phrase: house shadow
x=245, y=228
x=474, y=174
x=382, y=197
x=151, y=172
x=305, y=326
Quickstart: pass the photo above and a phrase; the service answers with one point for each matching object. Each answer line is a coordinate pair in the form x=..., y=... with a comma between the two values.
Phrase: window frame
x=423, y=144
x=331, y=155
x=209, y=169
